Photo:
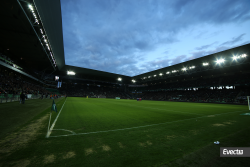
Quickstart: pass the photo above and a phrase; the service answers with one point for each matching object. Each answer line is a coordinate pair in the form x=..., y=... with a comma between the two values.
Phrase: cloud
x=234, y=40
x=158, y=64
x=205, y=46
x=113, y=35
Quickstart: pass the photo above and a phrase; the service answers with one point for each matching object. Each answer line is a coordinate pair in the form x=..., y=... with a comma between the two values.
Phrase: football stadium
x=192, y=113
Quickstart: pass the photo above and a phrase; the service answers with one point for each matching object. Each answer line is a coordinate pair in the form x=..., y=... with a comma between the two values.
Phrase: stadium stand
x=12, y=84
x=92, y=90
x=224, y=89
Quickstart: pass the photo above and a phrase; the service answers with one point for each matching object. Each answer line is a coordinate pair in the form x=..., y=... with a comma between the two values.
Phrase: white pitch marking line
x=144, y=125
x=66, y=130
x=52, y=126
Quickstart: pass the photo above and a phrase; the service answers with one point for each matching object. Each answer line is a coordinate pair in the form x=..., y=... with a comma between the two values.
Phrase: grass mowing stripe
x=144, y=125
x=161, y=109
x=52, y=126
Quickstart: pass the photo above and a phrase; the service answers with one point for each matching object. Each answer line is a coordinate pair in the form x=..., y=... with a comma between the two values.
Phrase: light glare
x=220, y=61
x=71, y=73
x=31, y=7
x=192, y=67
x=205, y=64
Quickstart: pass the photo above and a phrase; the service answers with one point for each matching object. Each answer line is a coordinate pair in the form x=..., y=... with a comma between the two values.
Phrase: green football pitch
x=81, y=116
x=109, y=132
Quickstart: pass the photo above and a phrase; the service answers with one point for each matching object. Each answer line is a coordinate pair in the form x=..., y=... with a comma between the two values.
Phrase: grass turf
x=180, y=134
x=14, y=115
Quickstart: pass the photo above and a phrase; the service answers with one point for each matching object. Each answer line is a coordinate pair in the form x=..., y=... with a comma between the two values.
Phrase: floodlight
x=31, y=7
x=160, y=74
x=205, y=64
x=133, y=81
x=184, y=69
x=239, y=56
x=219, y=61
x=119, y=79
x=148, y=76
x=167, y=72
x=154, y=75
x=174, y=71
x=191, y=67
x=71, y=73
x=244, y=55
x=45, y=40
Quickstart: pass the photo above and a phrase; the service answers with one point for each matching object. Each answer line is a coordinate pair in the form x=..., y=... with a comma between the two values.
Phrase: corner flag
x=53, y=108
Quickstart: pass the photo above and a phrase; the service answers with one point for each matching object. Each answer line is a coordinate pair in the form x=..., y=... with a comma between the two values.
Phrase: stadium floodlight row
x=217, y=62
x=38, y=28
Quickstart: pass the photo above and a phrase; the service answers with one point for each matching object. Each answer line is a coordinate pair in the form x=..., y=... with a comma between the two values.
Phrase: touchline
x=232, y=152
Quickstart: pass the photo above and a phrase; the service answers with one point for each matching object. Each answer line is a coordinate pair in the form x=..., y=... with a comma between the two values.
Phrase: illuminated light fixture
x=205, y=64
x=34, y=14
x=167, y=72
x=160, y=74
x=148, y=76
x=119, y=79
x=184, y=69
x=41, y=31
x=71, y=73
x=236, y=57
x=240, y=56
x=45, y=40
x=154, y=75
x=48, y=46
x=133, y=81
x=192, y=67
x=243, y=55
x=220, y=61
x=31, y=7
x=174, y=71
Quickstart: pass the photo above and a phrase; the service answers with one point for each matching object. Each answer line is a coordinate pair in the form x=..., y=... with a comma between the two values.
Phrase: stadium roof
x=50, y=13
x=198, y=64
x=18, y=40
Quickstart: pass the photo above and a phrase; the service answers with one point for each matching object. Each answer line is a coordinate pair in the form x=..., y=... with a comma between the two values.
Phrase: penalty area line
x=76, y=134
x=52, y=126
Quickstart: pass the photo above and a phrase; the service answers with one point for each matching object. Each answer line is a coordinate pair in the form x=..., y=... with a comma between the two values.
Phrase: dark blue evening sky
x=131, y=37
